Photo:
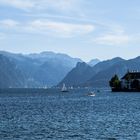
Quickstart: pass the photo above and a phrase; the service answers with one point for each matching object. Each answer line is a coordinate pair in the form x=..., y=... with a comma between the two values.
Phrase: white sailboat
x=71, y=87
x=92, y=93
x=64, y=88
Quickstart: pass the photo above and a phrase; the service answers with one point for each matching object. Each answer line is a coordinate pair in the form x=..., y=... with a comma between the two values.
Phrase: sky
x=86, y=29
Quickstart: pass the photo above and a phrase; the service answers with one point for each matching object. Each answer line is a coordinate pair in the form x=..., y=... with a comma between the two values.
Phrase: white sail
x=64, y=88
x=71, y=87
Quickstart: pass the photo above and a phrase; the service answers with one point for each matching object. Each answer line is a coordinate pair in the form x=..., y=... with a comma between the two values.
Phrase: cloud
x=112, y=39
x=8, y=23
x=21, y=4
x=112, y=35
x=40, y=4
x=60, y=4
x=54, y=28
x=61, y=29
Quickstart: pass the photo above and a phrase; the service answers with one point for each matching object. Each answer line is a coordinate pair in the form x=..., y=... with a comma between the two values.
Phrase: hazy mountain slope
x=54, y=58
x=46, y=68
x=51, y=73
x=106, y=64
x=53, y=68
x=101, y=79
x=10, y=75
x=93, y=62
x=83, y=72
x=80, y=74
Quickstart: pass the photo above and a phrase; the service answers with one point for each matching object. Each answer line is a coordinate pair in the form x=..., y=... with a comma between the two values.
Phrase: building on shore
x=129, y=82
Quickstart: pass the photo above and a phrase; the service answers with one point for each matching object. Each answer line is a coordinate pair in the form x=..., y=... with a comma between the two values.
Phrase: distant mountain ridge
x=43, y=69
x=50, y=69
x=120, y=68
x=100, y=74
x=78, y=75
x=93, y=62
x=10, y=75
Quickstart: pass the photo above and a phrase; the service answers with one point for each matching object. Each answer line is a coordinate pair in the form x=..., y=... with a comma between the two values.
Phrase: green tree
x=115, y=82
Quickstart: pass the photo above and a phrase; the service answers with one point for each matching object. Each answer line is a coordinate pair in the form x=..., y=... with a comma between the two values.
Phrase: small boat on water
x=71, y=87
x=92, y=94
x=64, y=88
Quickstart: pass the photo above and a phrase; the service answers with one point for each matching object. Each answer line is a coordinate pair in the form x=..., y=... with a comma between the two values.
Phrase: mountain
x=93, y=62
x=106, y=64
x=49, y=69
x=53, y=67
x=78, y=75
x=43, y=69
x=11, y=76
x=120, y=68
x=54, y=58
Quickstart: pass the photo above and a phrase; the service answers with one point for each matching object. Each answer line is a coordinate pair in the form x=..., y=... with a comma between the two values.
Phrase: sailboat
x=71, y=87
x=64, y=88
x=92, y=94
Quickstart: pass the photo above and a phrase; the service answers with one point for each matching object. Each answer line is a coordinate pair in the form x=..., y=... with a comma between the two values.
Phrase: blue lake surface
x=52, y=115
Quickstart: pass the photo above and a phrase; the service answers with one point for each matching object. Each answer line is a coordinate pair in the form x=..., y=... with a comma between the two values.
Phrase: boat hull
x=65, y=91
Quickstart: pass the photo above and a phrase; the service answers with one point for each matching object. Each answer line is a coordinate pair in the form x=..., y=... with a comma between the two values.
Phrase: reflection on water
x=53, y=115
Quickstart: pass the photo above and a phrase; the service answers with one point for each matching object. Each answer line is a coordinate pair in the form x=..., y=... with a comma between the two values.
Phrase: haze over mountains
x=50, y=69
x=83, y=72
x=34, y=70
x=10, y=76
x=100, y=74
x=93, y=62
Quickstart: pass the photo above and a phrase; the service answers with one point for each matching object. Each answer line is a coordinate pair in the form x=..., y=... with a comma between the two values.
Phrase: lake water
x=52, y=115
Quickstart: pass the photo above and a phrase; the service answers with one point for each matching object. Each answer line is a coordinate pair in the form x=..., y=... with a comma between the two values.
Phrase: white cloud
x=64, y=4
x=8, y=23
x=21, y=4
x=60, y=28
x=40, y=4
x=112, y=35
x=57, y=29
x=112, y=39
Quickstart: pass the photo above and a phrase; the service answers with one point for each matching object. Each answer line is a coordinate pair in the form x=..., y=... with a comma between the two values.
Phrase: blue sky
x=81, y=28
